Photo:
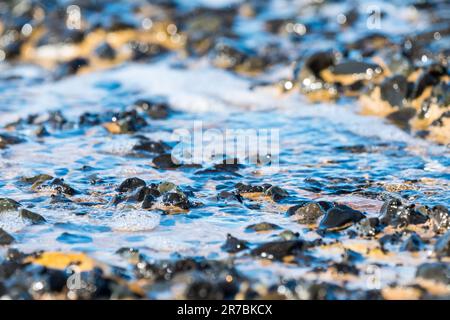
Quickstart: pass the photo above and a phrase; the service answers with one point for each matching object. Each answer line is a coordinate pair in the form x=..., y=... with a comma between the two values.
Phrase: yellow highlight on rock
x=60, y=261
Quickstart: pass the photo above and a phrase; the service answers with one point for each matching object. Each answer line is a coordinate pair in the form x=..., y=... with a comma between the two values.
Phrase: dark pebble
x=436, y=271
x=7, y=204
x=131, y=184
x=155, y=109
x=176, y=199
x=440, y=219
x=8, y=139
x=5, y=238
x=394, y=90
x=34, y=218
x=105, y=51
x=70, y=67
x=413, y=244
x=396, y=214
x=368, y=227
x=262, y=226
x=164, y=162
x=442, y=247
x=277, y=193
x=148, y=201
x=307, y=212
x=339, y=218
x=150, y=147
x=277, y=250
x=233, y=245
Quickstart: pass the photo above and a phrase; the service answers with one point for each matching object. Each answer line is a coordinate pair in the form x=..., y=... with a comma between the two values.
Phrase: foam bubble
x=10, y=221
x=134, y=221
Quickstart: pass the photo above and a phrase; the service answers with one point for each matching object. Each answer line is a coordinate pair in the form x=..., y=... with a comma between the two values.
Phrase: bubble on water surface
x=134, y=221
x=10, y=221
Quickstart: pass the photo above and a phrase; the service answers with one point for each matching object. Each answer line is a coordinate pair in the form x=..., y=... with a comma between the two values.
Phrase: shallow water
x=312, y=164
x=328, y=151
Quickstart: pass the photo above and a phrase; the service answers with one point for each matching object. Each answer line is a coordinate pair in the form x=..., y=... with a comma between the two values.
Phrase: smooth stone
x=277, y=250
x=234, y=245
x=5, y=238
x=131, y=184
x=436, y=271
x=413, y=244
x=34, y=218
x=306, y=213
x=442, y=246
x=262, y=226
x=339, y=218
x=7, y=204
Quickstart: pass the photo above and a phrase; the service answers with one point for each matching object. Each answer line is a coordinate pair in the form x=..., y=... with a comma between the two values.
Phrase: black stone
x=394, y=90
x=440, y=218
x=176, y=199
x=148, y=201
x=5, y=238
x=8, y=139
x=234, y=245
x=105, y=51
x=164, y=162
x=436, y=271
x=262, y=226
x=277, y=193
x=307, y=212
x=7, y=204
x=131, y=184
x=155, y=109
x=70, y=67
x=277, y=250
x=413, y=243
x=150, y=147
x=34, y=218
x=339, y=218
x=442, y=246
x=367, y=227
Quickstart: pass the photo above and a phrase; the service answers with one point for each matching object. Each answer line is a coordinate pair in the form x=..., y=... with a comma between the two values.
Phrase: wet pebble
x=32, y=217
x=105, y=51
x=395, y=213
x=125, y=122
x=278, y=250
x=56, y=184
x=70, y=67
x=131, y=184
x=5, y=238
x=7, y=204
x=289, y=235
x=440, y=219
x=8, y=139
x=262, y=226
x=165, y=162
x=413, y=243
x=436, y=271
x=234, y=245
x=368, y=227
x=276, y=193
x=307, y=212
x=394, y=90
x=153, y=147
x=442, y=246
x=339, y=218
x=154, y=109
x=177, y=199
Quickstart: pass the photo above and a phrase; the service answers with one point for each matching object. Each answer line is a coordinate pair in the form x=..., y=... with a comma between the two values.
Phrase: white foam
x=133, y=221
x=10, y=221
